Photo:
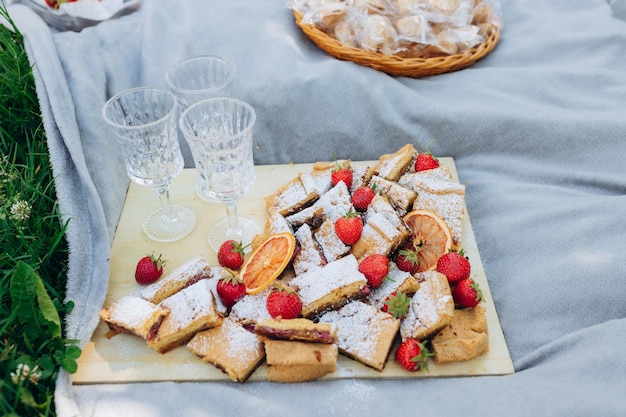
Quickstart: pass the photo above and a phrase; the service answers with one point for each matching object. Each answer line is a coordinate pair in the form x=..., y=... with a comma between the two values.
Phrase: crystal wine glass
x=220, y=132
x=144, y=122
x=196, y=79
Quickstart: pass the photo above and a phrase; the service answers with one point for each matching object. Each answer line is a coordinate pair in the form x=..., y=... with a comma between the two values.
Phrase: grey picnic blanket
x=538, y=133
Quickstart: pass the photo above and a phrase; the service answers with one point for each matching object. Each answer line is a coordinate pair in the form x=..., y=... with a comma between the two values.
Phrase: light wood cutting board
x=125, y=358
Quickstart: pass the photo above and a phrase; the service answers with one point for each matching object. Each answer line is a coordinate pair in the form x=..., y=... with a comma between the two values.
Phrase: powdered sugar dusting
x=251, y=308
x=314, y=285
x=189, y=304
x=241, y=344
x=133, y=313
x=193, y=270
x=358, y=328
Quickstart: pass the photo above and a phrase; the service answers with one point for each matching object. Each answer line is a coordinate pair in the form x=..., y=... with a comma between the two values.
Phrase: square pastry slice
x=330, y=286
x=191, y=310
x=431, y=308
x=446, y=198
x=397, y=281
x=464, y=338
x=378, y=236
x=188, y=273
x=229, y=347
x=365, y=333
x=309, y=255
x=251, y=308
x=300, y=330
x=401, y=197
x=294, y=196
x=332, y=247
x=289, y=361
x=392, y=166
x=134, y=315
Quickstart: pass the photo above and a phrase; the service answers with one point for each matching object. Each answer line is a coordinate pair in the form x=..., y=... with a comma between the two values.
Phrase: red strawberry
x=230, y=254
x=341, y=174
x=467, y=293
x=455, y=266
x=425, y=161
x=284, y=302
x=397, y=304
x=407, y=261
x=362, y=197
x=413, y=355
x=349, y=227
x=149, y=269
x=375, y=268
x=230, y=289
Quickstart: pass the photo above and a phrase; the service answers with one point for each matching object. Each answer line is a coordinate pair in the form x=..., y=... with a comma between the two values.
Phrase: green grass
x=34, y=257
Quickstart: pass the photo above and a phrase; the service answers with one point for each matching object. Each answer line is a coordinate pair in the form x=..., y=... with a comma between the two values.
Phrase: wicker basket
x=395, y=65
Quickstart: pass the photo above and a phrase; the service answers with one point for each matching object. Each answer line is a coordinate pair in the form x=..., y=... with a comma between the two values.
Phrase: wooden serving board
x=125, y=358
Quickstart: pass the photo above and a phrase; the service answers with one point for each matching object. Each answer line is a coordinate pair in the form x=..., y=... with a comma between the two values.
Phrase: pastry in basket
x=330, y=286
x=464, y=338
x=401, y=197
x=300, y=330
x=397, y=281
x=446, y=198
x=229, y=347
x=191, y=310
x=391, y=166
x=332, y=247
x=309, y=255
x=378, y=236
x=289, y=361
x=134, y=315
x=365, y=333
x=188, y=273
x=431, y=308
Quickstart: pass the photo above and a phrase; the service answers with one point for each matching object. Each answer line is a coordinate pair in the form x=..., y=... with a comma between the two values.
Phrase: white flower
x=20, y=210
x=23, y=372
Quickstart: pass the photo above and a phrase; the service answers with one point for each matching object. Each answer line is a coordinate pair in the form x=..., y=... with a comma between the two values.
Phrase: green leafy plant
x=33, y=260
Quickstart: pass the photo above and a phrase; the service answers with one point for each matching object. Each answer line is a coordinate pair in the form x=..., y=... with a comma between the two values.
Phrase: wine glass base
x=219, y=233
x=159, y=231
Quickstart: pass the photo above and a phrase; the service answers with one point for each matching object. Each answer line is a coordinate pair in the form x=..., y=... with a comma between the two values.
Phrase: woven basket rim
x=396, y=65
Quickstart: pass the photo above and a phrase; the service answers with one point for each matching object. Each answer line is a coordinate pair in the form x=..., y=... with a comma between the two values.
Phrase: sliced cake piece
x=309, y=255
x=331, y=205
x=301, y=330
x=365, y=333
x=360, y=177
x=392, y=166
x=381, y=205
x=299, y=361
x=441, y=173
x=330, y=286
x=134, y=315
x=332, y=247
x=191, y=310
x=188, y=273
x=401, y=197
x=397, y=281
x=293, y=196
x=443, y=197
x=431, y=308
x=251, y=308
x=229, y=347
x=464, y=338
x=378, y=236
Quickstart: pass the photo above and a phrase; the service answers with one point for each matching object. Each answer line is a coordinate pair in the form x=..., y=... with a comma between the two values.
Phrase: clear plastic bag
x=408, y=28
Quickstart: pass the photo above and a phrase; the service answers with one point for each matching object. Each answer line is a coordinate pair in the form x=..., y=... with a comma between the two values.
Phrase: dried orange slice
x=267, y=262
x=431, y=237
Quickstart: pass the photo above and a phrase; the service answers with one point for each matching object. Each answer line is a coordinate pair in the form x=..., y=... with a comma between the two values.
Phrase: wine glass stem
x=234, y=228
x=168, y=215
